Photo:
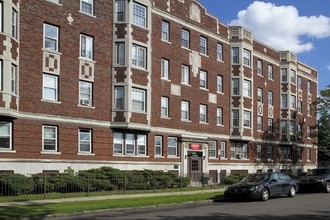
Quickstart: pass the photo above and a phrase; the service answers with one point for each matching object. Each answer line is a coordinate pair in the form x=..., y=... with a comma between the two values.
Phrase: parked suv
x=316, y=179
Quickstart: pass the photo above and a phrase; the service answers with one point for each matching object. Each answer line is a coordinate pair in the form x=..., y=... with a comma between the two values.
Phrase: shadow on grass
x=24, y=212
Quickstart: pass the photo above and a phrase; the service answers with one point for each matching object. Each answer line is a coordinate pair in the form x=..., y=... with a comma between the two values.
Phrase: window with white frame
x=238, y=150
x=5, y=135
x=259, y=95
x=247, y=57
x=309, y=155
x=269, y=152
x=219, y=52
x=130, y=144
x=185, y=79
x=51, y=37
x=172, y=146
x=158, y=145
x=235, y=55
x=293, y=102
x=185, y=38
x=270, y=98
x=185, y=110
x=219, y=116
x=308, y=131
x=1, y=74
x=203, y=113
x=138, y=99
x=293, y=76
x=87, y=6
x=299, y=106
x=299, y=155
x=85, y=93
x=284, y=75
x=120, y=10
x=259, y=67
x=203, y=45
x=299, y=83
x=139, y=56
x=308, y=87
x=202, y=79
x=285, y=153
x=50, y=88
x=164, y=107
x=55, y=1
x=139, y=15
x=85, y=140
x=284, y=101
x=14, y=24
x=235, y=114
x=309, y=107
x=118, y=143
x=259, y=152
x=270, y=72
x=165, y=65
x=49, y=138
x=141, y=144
x=247, y=119
x=299, y=130
x=247, y=90
x=235, y=86
x=120, y=53
x=119, y=97
x=259, y=123
x=223, y=149
x=213, y=149
x=13, y=79
x=270, y=125
x=284, y=127
x=165, y=31
x=219, y=84
x=1, y=16
x=293, y=127
x=86, y=47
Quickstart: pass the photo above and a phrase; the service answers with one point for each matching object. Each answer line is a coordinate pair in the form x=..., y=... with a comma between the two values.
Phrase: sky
x=300, y=26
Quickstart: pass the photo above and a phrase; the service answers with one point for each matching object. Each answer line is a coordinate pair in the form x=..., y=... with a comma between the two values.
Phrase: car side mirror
x=273, y=180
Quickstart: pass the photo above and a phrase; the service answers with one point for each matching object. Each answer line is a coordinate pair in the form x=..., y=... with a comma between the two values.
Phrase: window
x=235, y=83
x=1, y=74
x=284, y=75
x=85, y=93
x=299, y=83
x=223, y=149
x=219, y=52
x=50, y=91
x=270, y=98
x=13, y=79
x=203, y=113
x=50, y=37
x=118, y=143
x=120, y=53
x=270, y=125
x=293, y=102
x=213, y=149
x=308, y=87
x=164, y=107
x=49, y=142
x=185, y=38
x=185, y=79
x=119, y=97
x=284, y=101
x=219, y=116
x=235, y=118
x=184, y=110
x=285, y=153
x=259, y=93
x=309, y=106
x=247, y=57
x=259, y=123
x=270, y=72
x=139, y=15
x=139, y=56
x=235, y=55
x=258, y=151
x=247, y=88
x=55, y=1
x=158, y=145
x=86, y=47
x=87, y=6
x=309, y=155
x=203, y=45
x=120, y=10
x=85, y=141
x=299, y=130
x=1, y=16
x=138, y=99
x=14, y=18
x=284, y=126
x=259, y=67
x=293, y=76
x=165, y=31
x=247, y=119
x=172, y=146
x=202, y=79
x=130, y=144
x=299, y=106
x=141, y=144
x=165, y=69
x=5, y=135
x=238, y=150
x=269, y=152
x=219, y=84
x=308, y=131
x=292, y=127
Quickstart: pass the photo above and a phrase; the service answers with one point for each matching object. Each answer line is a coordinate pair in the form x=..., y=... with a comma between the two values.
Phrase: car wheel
x=327, y=187
x=292, y=192
x=264, y=194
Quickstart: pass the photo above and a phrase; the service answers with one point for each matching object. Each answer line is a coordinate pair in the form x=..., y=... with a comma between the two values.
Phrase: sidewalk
x=121, y=196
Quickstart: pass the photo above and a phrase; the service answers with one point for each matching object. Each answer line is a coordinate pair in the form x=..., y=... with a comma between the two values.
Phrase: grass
x=42, y=210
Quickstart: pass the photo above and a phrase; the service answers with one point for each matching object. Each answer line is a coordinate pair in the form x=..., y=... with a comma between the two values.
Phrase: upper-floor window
x=259, y=93
x=235, y=55
x=14, y=79
x=270, y=98
x=165, y=69
x=247, y=90
x=120, y=10
x=270, y=72
x=139, y=56
x=185, y=79
x=284, y=101
x=184, y=110
x=285, y=153
x=172, y=146
x=213, y=149
x=284, y=75
x=139, y=15
x=1, y=16
x=259, y=123
x=165, y=31
x=223, y=149
x=203, y=113
x=235, y=114
x=308, y=131
x=85, y=141
x=1, y=75
x=120, y=53
x=270, y=125
x=49, y=142
x=219, y=116
x=203, y=45
x=247, y=119
x=87, y=6
x=85, y=93
x=309, y=107
x=219, y=83
x=258, y=151
x=235, y=86
x=269, y=152
x=292, y=76
x=50, y=91
x=5, y=135
x=299, y=83
x=119, y=97
x=284, y=127
x=247, y=57
x=51, y=37
x=309, y=154
x=14, y=24
x=138, y=99
x=185, y=38
x=158, y=145
x=86, y=47
x=308, y=87
x=293, y=102
x=203, y=79
x=164, y=107
x=299, y=106
x=219, y=52
x=259, y=67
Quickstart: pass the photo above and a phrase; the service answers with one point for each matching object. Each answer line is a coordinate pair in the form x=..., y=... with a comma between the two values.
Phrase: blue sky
x=301, y=26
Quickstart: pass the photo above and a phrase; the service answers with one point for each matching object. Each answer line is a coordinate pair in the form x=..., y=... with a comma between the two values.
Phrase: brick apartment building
x=147, y=84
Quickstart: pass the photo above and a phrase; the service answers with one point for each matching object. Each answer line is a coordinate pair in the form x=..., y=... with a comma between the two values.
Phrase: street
x=303, y=206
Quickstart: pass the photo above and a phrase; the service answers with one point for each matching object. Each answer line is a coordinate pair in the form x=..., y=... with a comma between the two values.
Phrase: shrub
x=234, y=178
x=15, y=184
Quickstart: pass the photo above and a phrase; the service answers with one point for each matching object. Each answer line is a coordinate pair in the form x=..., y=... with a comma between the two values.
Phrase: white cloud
x=282, y=27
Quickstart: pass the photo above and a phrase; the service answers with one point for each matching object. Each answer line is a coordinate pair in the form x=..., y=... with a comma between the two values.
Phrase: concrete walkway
x=121, y=196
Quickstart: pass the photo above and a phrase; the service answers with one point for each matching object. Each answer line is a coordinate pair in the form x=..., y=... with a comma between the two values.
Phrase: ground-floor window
x=213, y=149
x=85, y=140
x=238, y=150
x=130, y=144
x=172, y=146
x=5, y=135
x=285, y=152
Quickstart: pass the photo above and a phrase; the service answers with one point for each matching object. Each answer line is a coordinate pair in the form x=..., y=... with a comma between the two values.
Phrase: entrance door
x=195, y=168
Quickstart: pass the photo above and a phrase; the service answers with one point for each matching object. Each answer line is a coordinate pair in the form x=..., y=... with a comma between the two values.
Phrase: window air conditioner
x=84, y=102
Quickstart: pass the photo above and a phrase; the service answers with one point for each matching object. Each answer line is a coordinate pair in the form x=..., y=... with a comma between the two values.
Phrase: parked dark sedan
x=263, y=186
x=316, y=179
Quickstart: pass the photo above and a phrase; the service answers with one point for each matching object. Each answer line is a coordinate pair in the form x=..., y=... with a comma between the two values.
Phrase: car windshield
x=318, y=172
x=255, y=178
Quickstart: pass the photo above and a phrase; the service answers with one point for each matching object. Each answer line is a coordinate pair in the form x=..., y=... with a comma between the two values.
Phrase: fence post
x=45, y=187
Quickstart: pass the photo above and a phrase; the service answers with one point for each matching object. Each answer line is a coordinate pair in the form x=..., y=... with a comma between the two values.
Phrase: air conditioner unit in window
x=84, y=102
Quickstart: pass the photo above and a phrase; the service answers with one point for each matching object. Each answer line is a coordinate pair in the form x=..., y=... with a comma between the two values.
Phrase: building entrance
x=195, y=165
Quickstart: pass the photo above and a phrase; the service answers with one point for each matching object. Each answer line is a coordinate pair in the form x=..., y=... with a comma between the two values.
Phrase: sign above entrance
x=195, y=146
